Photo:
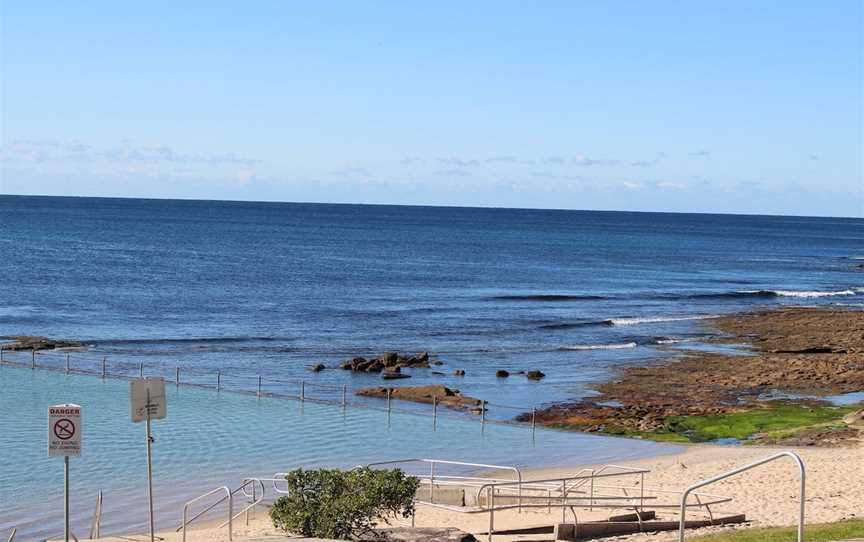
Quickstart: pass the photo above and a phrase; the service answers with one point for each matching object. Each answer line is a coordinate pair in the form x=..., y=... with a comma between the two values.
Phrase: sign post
x=64, y=440
x=147, y=399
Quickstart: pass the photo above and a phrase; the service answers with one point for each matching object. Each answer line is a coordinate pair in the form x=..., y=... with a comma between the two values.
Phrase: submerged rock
x=317, y=368
x=535, y=375
x=459, y=372
x=30, y=342
x=444, y=396
x=501, y=373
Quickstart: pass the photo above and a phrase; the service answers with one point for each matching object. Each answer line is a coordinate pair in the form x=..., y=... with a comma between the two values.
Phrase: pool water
x=210, y=439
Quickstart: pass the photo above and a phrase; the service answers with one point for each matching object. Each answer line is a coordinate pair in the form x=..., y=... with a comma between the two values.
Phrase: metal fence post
x=302, y=390
x=434, y=412
x=482, y=414
x=141, y=369
x=218, y=380
x=67, y=363
x=344, y=395
x=533, y=421
x=33, y=359
x=103, y=367
x=177, y=377
x=259, y=385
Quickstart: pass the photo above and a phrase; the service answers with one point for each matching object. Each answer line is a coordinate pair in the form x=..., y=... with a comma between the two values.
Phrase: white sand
x=767, y=494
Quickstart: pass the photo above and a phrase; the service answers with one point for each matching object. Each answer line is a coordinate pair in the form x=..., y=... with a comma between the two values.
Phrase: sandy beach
x=767, y=494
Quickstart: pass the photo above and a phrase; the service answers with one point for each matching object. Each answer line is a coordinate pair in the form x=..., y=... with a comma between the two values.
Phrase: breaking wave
x=614, y=346
x=654, y=320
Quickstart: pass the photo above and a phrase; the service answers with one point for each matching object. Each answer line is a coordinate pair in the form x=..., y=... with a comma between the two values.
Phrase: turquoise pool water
x=211, y=439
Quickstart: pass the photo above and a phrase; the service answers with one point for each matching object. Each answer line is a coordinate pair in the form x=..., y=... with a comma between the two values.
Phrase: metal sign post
x=147, y=399
x=64, y=440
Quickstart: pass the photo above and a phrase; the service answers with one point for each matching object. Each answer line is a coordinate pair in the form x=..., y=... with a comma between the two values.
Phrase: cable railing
x=248, y=383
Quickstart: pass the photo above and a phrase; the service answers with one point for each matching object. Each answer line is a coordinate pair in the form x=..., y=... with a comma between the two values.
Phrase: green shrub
x=328, y=503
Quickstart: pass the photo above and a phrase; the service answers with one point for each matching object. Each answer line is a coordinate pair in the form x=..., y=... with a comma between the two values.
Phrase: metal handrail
x=433, y=462
x=277, y=477
x=14, y=529
x=802, y=475
x=96, y=525
x=255, y=502
x=589, y=501
x=229, y=496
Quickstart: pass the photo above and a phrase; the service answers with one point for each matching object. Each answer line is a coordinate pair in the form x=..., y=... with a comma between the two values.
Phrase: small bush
x=339, y=504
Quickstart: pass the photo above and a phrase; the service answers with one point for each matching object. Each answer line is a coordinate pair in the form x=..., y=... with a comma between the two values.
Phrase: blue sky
x=748, y=107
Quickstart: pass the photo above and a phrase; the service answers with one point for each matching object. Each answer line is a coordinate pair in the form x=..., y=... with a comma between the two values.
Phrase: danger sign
x=64, y=430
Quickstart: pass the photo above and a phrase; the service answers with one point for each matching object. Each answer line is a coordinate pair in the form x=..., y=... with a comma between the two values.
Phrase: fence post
x=344, y=395
x=388, y=401
x=177, y=377
x=259, y=385
x=302, y=390
x=533, y=421
x=67, y=363
x=218, y=380
x=434, y=412
x=482, y=414
x=33, y=359
x=103, y=367
x=141, y=369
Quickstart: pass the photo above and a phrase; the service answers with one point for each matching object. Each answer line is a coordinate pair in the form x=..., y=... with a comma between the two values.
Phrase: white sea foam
x=600, y=346
x=656, y=319
x=805, y=293
x=670, y=341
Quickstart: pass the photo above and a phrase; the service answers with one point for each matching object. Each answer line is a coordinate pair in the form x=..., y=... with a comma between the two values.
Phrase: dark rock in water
x=501, y=373
x=387, y=375
x=318, y=367
x=28, y=342
x=459, y=372
x=424, y=534
x=388, y=360
x=422, y=356
x=437, y=373
x=353, y=364
x=444, y=396
x=535, y=375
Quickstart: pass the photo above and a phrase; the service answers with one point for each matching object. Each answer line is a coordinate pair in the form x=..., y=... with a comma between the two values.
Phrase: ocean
x=267, y=289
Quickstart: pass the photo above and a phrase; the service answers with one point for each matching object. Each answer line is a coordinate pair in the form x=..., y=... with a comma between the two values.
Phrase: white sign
x=64, y=431
x=144, y=389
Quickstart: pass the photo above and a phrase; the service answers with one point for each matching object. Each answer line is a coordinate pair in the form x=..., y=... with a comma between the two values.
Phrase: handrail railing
x=433, y=462
x=254, y=482
x=12, y=534
x=802, y=475
x=279, y=477
x=229, y=495
x=96, y=525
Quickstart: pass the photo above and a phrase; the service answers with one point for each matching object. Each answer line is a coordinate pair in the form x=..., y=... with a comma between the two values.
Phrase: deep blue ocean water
x=269, y=288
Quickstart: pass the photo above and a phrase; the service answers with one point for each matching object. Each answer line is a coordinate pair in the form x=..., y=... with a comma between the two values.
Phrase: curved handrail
x=230, y=521
x=802, y=475
x=14, y=529
x=276, y=477
x=246, y=482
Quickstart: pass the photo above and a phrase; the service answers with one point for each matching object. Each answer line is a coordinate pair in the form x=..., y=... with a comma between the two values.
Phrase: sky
x=727, y=106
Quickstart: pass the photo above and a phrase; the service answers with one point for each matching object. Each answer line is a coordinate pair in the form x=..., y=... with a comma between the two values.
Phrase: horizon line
x=432, y=205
